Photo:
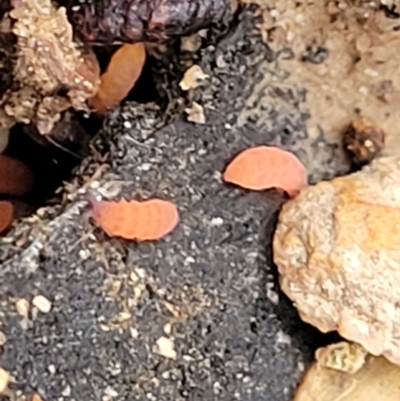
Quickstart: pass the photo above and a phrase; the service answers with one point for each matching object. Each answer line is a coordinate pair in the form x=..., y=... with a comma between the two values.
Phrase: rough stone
x=337, y=251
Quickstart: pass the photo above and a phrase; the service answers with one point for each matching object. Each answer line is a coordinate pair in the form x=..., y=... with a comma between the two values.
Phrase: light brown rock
x=337, y=248
x=376, y=380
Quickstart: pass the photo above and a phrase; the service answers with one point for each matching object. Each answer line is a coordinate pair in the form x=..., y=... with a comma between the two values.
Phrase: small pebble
x=3, y=338
x=110, y=392
x=42, y=303
x=4, y=380
x=195, y=113
x=217, y=221
x=134, y=333
x=283, y=338
x=22, y=306
x=167, y=328
x=67, y=391
x=221, y=63
x=84, y=254
x=95, y=184
x=145, y=167
x=192, y=78
x=166, y=348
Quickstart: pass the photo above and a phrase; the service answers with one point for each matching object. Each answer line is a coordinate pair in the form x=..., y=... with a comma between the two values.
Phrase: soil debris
x=48, y=61
x=363, y=142
x=344, y=357
x=230, y=342
x=192, y=78
x=195, y=113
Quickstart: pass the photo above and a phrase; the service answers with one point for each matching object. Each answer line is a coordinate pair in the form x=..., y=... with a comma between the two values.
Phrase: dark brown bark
x=106, y=21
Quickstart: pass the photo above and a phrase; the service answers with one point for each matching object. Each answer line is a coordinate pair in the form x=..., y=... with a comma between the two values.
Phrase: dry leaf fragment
x=15, y=177
x=192, y=78
x=166, y=347
x=36, y=397
x=147, y=220
x=196, y=113
x=265, y=167
x=4, y=380
x=6, y=215
x=124, y=69
x=42, y=303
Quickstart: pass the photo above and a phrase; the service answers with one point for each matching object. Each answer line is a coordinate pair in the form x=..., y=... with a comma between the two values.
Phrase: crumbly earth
x=197, y=315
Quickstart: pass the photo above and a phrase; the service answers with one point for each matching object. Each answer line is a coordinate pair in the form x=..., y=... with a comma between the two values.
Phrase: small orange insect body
x=134, y=220
x=123, y=71
x=6, y=215
x=15, y=177
x=265, y=167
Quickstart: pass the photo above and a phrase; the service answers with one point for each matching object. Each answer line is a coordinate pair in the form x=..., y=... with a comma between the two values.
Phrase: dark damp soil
x=210, y=287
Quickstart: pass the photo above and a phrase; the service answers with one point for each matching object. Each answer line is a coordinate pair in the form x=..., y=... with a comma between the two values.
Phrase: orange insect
x=125, y=67
x=15, y=177
x=36, y=397
x=265, y=167
x=143, y=221
x=6, y=215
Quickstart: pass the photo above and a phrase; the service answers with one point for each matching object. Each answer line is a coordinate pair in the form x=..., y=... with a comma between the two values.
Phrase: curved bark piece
x=129, y=21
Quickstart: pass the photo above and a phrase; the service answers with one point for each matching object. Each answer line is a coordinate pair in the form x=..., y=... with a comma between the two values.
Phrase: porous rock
x=337, y=251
